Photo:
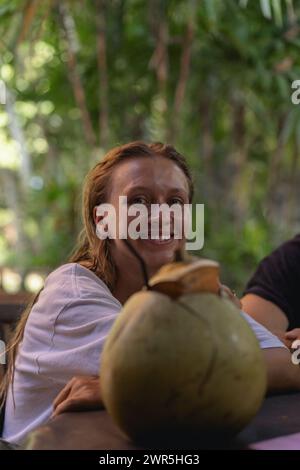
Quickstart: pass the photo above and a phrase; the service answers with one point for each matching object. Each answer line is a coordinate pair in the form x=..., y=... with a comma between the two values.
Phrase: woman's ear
x=95, y=217
x=97, y=221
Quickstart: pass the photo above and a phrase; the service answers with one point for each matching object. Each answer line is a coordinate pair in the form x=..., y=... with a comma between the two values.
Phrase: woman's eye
x=139, y=200
x=176, y=200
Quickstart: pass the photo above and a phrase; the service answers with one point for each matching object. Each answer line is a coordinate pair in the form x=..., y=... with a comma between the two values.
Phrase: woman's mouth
x=160, y=240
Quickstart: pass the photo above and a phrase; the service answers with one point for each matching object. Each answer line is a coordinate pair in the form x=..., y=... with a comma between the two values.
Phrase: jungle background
x=211, y=77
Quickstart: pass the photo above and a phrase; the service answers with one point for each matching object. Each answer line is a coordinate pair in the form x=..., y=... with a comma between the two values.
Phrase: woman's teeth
x=161, y=239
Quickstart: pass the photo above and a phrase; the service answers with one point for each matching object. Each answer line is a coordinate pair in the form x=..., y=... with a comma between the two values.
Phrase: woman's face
x=147, y=181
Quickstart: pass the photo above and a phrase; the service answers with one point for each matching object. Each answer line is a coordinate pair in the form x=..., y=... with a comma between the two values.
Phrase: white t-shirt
x=64, y=336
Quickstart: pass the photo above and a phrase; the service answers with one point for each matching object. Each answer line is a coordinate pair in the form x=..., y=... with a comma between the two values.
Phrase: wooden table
x=12, y=305
x=94, y=430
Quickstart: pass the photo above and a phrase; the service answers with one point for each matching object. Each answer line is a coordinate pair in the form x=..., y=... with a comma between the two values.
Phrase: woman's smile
x=161, y=241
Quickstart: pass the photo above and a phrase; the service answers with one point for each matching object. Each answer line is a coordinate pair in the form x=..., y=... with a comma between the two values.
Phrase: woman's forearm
x=282, y=374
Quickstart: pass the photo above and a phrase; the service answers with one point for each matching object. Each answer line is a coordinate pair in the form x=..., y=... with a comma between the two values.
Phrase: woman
x=62, y=335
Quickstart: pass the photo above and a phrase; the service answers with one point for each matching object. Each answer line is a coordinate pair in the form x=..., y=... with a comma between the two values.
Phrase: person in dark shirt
x=272, y=295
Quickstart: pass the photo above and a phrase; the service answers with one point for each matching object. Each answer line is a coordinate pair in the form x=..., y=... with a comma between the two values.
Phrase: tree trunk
x=159, y=59
x=238, y=183
x=17, y=134
x=102, y=70
x=29, y=13
x=274, y=167
x=185, y=62
x=68, y=26
x=207, y=146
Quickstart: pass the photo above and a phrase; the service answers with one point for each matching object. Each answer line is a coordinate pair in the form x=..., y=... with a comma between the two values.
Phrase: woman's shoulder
x=72, y=293
x=69, y=271
x=76, y=281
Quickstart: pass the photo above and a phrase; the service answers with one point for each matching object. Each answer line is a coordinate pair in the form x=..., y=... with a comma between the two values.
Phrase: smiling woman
x=62, y=334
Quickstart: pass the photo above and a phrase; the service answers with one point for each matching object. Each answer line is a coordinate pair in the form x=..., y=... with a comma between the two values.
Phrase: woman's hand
x=224, y=290
x=81, y=393
x=291, y=336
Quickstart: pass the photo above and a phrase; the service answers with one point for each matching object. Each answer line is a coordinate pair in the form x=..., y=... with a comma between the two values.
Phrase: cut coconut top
x=183, y=277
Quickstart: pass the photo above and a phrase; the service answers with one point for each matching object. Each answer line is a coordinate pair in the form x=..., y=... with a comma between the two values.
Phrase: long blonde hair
x=90, y=251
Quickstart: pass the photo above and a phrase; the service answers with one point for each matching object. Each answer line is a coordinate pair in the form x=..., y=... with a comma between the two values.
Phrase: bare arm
x=266, y=313
x=282, y=374
x=83, y=393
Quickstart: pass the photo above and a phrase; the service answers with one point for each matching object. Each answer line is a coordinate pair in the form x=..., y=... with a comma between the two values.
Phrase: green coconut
x=181, y=365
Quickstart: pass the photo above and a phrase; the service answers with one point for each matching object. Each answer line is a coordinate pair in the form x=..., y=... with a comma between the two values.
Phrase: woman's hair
x=90, y=251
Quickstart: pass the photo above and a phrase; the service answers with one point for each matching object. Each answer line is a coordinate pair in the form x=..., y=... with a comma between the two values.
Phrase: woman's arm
x=266, y=313
x=272, y=293
x=84, y=392
x=282, y=374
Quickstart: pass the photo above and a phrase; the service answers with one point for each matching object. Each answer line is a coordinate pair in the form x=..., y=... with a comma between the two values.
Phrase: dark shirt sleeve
x=277, y=279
